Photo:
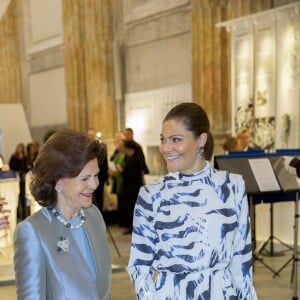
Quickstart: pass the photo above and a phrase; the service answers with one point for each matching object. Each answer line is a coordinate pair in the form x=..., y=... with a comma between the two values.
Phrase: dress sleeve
x=143, y=247
x=29, y=263
x=241, y=264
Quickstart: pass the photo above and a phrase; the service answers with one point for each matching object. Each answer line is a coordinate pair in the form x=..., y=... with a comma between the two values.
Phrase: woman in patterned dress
x=191, y=231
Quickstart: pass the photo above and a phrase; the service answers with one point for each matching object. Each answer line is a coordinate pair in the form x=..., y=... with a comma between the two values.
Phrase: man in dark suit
x=129, y=137
x=103, y=174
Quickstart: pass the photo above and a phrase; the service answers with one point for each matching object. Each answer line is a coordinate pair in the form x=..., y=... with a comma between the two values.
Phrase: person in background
x=36, y=146
x=294, y=167
x=117, y=163
x=17, y=163
x=61, y=251
x=191, y=228
x=231, y=144
x=244, y=140
x=31, y=154
x=132, y=174
x=129, y=134
x=103, y=174
x=120, y=139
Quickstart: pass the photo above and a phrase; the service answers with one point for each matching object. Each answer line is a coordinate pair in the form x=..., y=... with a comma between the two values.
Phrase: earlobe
x=58, y=187
x=202, y=139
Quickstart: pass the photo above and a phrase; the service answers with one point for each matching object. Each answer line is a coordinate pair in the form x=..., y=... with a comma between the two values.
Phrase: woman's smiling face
x=180, y=147
x=78, y=191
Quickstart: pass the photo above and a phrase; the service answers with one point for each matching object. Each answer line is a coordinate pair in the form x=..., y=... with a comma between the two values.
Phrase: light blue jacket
x=42, y=272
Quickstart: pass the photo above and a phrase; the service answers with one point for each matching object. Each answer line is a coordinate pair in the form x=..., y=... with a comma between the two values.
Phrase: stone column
x=10, y=66
x=211, y=66
x=88, y=65
x=212, y=58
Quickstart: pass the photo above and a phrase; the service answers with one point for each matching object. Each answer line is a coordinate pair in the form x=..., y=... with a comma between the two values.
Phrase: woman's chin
x=87, y=204
x=171, y=168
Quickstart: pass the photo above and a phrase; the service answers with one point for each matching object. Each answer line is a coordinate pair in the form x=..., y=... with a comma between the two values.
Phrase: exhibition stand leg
x=294, y=258
x=256, y=253
x=271, y=239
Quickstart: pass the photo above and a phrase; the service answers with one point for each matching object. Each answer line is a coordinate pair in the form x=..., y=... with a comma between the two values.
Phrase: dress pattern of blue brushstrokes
x=192, y=239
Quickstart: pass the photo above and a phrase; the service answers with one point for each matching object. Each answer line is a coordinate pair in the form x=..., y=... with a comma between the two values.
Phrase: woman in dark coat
x=17, y=163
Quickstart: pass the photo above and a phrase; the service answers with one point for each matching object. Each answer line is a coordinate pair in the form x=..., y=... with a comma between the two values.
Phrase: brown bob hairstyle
x=63, y=155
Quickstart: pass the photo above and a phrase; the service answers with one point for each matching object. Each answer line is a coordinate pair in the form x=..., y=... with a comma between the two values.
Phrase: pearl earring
x=58, y=188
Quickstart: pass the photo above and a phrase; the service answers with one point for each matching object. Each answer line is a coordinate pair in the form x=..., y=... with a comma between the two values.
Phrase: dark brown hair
x=130, y=145
x=64, y=154
x=195, y=120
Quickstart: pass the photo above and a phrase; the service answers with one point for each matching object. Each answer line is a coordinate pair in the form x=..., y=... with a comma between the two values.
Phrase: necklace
x=66, y=223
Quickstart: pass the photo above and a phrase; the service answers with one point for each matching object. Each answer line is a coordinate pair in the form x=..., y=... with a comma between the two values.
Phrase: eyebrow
x=172, y=136
x=88, y=175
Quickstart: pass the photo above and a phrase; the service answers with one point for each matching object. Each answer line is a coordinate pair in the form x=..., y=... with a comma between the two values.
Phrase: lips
x=171, y=157
x=89, y=195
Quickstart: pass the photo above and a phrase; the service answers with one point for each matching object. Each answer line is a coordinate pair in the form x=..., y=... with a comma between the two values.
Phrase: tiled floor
x=267, y=286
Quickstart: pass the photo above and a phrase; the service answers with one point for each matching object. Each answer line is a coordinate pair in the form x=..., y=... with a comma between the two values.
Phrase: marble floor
x=268, y=287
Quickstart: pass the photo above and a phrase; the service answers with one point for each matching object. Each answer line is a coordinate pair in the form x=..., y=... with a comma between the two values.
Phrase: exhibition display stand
x=267, y=180
x=9, y=190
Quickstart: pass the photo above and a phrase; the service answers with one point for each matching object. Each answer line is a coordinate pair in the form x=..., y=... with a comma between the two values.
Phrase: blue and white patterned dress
x=192, y=239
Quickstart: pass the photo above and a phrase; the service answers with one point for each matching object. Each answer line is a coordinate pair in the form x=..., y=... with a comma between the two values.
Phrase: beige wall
x=43, y=84
x=154, y=44
x=14, y=128
x=157, y=50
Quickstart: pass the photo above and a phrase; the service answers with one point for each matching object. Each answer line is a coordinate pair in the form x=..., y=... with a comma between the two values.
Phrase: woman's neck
x=66, y=211
x=201, y=165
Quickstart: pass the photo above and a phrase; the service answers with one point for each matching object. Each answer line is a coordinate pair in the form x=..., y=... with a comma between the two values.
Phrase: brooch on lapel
x=62, y=245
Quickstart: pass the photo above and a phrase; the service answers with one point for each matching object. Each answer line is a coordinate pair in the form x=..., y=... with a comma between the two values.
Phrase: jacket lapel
x=98, y=242
x=63, y=262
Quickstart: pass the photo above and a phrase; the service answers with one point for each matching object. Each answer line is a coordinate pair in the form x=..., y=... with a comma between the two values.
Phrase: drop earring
x=200, y=152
